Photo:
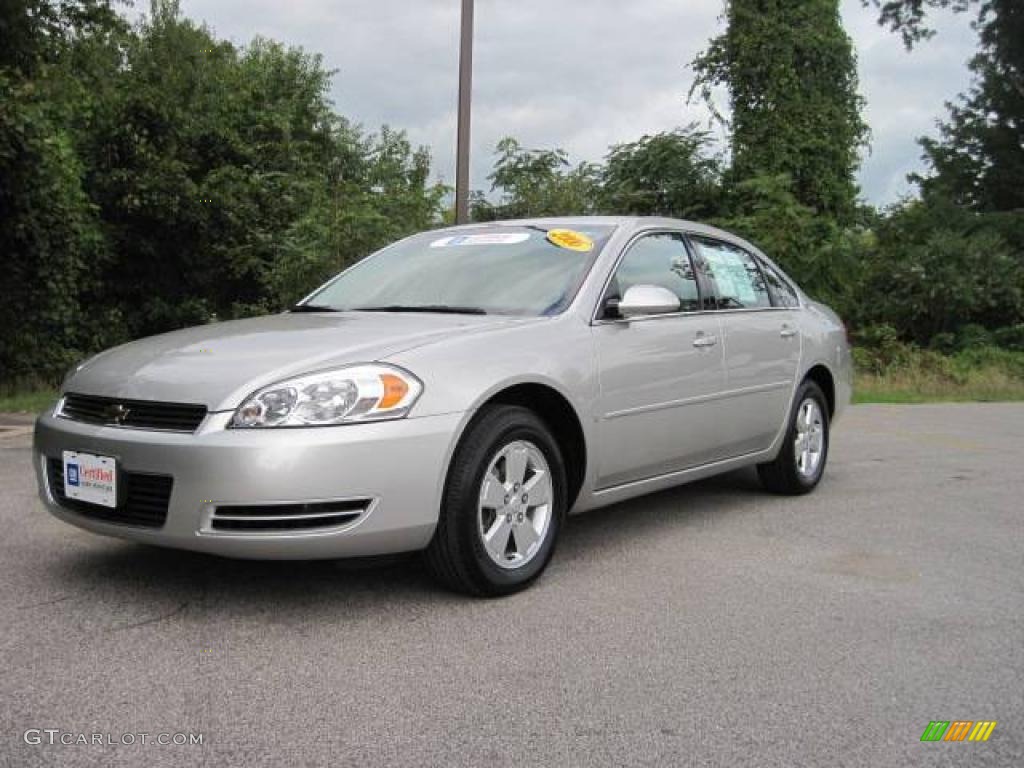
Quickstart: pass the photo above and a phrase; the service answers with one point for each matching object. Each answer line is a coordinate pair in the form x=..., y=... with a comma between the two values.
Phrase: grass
x=911, y=375
x=897, y=388
x=29, y=401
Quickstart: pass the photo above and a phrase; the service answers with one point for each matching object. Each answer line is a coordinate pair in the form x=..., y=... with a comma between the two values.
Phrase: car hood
x=217, y=365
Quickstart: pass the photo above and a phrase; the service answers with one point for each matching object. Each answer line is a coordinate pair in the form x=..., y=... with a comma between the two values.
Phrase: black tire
x=456, y=556
x=782, y=475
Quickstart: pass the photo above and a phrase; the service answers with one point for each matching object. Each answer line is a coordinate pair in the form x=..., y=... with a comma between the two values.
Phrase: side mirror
x=648, y=300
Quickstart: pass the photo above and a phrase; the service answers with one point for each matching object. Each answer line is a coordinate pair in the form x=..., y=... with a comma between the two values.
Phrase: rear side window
x=659, y=259
x=783, y=294
x=739, y=281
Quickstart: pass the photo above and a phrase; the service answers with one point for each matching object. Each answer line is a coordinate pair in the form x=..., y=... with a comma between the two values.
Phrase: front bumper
x=399, y=465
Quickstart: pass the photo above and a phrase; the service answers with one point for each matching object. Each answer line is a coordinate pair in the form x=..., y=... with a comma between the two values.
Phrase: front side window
x=740, y=283
x=659, y=259
x=497, y=269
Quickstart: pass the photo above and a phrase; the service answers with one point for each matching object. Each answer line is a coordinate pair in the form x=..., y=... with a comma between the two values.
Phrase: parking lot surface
x=707, y=625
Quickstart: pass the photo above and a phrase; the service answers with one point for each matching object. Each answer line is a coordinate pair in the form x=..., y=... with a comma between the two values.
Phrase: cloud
x=577, y=74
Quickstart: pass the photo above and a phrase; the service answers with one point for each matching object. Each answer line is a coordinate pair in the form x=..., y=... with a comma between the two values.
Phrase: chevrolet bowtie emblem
x=116, y=413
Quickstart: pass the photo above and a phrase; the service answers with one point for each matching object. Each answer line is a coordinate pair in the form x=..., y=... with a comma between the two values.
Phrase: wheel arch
x=558, y=413
x=822, y=376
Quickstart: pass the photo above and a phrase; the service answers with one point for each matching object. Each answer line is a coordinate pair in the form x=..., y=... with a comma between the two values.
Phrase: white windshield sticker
x=493, y=238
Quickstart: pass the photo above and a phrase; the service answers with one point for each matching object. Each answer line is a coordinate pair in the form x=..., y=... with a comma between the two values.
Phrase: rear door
x=760, y=341
x=660, y=376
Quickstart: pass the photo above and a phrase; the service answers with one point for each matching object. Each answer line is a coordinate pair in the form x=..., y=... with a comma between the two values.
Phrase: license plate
x=91, y=478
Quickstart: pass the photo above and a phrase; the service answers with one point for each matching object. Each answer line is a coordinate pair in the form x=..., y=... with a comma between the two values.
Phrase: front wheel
x=801, y=461
x=503, y=507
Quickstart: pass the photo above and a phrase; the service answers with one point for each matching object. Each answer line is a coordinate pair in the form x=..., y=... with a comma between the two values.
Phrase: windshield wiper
x=445, y=309
x=312, y=308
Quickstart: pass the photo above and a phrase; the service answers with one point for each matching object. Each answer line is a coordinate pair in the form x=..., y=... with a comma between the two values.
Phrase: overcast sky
x=577, y=74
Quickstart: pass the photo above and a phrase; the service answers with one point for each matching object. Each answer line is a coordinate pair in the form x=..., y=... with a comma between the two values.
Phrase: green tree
x=537, y=182
x=226, y=181
x=378, y=190
x=956, y=257
x=668, y=174
x=49, y=240
x=791, y=75
x=202, y=156
x=36, y=34
x=908, y=16
x=979, y=158
x=154, y=176
x=53, y=55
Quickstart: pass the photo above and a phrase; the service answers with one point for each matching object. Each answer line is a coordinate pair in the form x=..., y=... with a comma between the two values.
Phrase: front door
x=660, y=376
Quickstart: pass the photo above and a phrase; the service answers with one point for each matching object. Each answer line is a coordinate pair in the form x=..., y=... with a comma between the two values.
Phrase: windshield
x=496, y=269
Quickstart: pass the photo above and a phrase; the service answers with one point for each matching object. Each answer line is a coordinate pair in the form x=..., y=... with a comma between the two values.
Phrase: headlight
x=341, y=396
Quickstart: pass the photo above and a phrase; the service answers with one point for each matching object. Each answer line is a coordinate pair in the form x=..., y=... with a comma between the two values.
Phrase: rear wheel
x=503, y=506
x=801, y=461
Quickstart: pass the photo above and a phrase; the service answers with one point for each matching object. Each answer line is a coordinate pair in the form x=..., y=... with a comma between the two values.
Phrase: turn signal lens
x=394, y=390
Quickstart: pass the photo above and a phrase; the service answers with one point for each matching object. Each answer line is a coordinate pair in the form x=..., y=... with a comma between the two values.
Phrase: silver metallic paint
x=463, y=362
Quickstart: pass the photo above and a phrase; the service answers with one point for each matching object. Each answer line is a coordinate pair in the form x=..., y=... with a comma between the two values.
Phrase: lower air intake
x=269, y=518
x=144, y=504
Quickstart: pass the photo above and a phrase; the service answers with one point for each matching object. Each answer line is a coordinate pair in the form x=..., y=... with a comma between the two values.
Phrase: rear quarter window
x=782, y=292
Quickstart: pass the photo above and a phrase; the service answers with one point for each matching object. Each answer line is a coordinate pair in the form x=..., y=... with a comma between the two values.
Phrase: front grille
x=144, y=503
x=288, y=517
x=139, y=414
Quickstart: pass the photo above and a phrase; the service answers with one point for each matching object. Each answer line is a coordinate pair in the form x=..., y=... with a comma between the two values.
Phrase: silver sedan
x=458, y=392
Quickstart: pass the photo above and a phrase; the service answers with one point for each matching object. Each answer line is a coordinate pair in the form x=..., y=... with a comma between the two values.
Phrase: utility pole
x=465, y=94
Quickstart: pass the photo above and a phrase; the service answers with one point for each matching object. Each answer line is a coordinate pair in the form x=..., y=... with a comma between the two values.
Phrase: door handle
x=705, y=341
x=787, y=331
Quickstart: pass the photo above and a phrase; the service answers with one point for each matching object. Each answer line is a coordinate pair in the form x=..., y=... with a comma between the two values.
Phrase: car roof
x=632, y=223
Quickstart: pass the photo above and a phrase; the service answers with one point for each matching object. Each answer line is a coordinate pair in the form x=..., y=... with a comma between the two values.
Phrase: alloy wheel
x=514, y=509
x=809, y=442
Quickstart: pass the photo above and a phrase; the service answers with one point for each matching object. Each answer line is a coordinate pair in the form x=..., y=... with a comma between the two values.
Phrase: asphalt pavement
x=707, y=625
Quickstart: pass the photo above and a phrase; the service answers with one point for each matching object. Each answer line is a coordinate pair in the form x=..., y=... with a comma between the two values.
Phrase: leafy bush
x=940, y=269
x=877, y=349
x=890, y=369
x=156, y=177
x=50, y=243
x=1010, y=337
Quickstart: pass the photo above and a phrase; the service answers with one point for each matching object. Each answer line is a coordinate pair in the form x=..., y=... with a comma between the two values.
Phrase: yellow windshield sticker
x=571, y=239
